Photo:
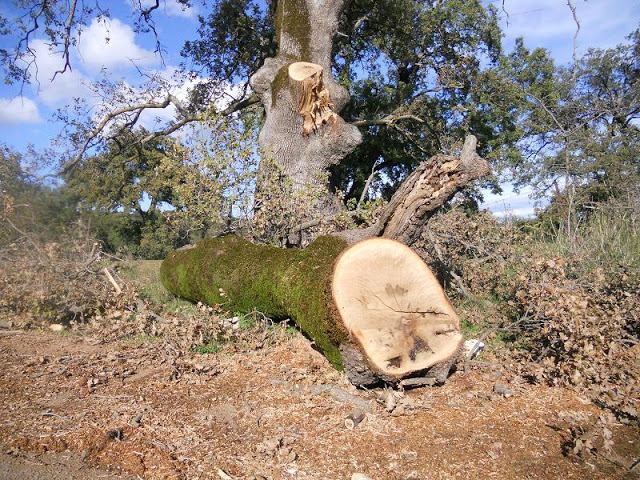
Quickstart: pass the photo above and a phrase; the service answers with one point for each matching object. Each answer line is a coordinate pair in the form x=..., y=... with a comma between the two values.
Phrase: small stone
x=390, y=402
x=503, y=390
x=115, y=434
x=409, y=456
x=56, y=327
x=270, y=446
x=472, y=348
x=136, y=421
x=360, y=476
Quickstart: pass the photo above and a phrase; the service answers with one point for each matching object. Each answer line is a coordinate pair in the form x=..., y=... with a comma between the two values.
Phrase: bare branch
x=67, y=39
x=137, y=110
x=572, y=7
x=367, y=184
x=387, y=121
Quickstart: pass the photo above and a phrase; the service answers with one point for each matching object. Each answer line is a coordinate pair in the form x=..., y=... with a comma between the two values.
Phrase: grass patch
x=137, y=340
x=212, y=346
x=145, y=275
x=469, y=330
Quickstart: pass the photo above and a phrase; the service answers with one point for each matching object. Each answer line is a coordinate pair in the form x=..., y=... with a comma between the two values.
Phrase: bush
x=53, y=281
x=572, y=304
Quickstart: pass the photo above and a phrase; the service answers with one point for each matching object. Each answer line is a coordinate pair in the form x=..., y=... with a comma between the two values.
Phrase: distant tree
x=26, y=206
x=158, y=195
x=573, y=133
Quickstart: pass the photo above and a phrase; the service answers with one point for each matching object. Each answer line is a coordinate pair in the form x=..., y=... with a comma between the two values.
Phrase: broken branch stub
x=433, y=183
x=314, y=100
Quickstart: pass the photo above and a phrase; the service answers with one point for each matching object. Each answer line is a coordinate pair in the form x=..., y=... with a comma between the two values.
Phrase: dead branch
x=367, y=185
x=112, y=280
x=67, y=40
x=572, y=7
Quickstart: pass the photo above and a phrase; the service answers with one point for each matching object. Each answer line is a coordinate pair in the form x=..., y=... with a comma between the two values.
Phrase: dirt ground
x=75, y=407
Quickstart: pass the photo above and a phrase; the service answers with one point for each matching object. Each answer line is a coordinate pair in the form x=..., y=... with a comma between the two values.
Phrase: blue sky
x=28, y=119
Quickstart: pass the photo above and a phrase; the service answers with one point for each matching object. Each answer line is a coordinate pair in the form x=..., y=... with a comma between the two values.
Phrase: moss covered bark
x=281, y=283
x=292, y=19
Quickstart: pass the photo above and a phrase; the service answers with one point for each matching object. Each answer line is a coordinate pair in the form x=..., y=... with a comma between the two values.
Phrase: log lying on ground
x=373, y=308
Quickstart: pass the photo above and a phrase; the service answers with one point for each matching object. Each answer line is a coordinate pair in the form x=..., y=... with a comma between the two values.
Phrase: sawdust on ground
x=148, y=411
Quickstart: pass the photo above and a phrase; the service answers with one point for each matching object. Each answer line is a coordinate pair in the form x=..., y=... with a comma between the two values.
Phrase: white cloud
x=510, y=203
x=18, y=110
x=64, y=87
x=175, y=9
x=171, y=8
x=110, y=43
x=550, y=24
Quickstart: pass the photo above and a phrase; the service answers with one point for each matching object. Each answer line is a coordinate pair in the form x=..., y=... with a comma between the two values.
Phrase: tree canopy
x=420, y=74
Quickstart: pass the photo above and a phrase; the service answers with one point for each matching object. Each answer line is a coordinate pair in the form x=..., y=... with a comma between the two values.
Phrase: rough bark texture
x=379, y=320
x=305, y=30
x=428, y=188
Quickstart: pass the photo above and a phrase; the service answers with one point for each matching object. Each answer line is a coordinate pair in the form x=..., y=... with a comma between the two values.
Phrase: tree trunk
x=373, y=308
x=304, y=32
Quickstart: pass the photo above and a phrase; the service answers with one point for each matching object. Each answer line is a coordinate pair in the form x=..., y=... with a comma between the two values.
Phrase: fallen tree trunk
x=367, y=301
x=373, y=308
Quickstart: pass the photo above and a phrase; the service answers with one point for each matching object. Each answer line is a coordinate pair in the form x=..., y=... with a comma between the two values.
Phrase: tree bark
x=374, y=308
x=304, y=32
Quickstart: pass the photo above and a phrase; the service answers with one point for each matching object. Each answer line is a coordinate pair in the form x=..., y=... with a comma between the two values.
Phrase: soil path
x=150, y=412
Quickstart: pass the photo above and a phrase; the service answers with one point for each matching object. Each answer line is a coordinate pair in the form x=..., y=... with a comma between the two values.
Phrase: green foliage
x=28, y=206
x=417, y=58
x=575, y=127
x=234, y=39
x=147, y=199
x=212, y=346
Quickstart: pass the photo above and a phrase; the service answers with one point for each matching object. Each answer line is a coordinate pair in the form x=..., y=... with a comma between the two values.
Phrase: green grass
x=469, y=330
x=145, y=275
x=137, y=340
x=610, y=237
x=212, y=346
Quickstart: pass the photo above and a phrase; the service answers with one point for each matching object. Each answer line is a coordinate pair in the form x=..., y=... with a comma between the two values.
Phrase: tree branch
x=572, y=7
x=387, y=121
x=138, y=108
x=367, y=185
x=67, y=40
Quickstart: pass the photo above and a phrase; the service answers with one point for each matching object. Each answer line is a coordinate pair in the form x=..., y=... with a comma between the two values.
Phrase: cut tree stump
x=373, y=308
x=314, y=100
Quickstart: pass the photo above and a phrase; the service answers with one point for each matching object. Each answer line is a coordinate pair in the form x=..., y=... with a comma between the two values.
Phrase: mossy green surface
x=281, y=283
x=292, y=19
x=280, y=81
